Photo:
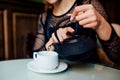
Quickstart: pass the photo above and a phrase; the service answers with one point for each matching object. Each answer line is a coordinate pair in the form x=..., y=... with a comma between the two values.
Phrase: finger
x=69, y=14
x=79, y=13
x=85, y=15
x=78, y=9
x=61, y=33
x=69, y=29
x=54, y=38
x=65, y=36
x=88, y=20
x=91, y=25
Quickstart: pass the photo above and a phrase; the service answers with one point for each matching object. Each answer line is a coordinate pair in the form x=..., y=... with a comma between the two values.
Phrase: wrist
x=103, y=30
x=100, y=25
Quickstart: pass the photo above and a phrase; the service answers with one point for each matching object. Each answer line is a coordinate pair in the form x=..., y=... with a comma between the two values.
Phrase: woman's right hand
x=62, y=35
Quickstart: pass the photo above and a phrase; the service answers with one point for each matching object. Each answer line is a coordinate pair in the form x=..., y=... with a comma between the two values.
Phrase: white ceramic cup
x=47, y=60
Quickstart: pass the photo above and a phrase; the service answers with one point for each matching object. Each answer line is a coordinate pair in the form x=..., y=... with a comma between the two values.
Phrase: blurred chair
x=29, y=44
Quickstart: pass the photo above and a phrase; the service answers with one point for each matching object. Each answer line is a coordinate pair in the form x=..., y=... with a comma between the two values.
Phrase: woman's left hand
x=87, y=16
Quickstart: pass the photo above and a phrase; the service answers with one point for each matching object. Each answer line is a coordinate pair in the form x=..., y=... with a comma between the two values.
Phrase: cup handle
x=35, y=55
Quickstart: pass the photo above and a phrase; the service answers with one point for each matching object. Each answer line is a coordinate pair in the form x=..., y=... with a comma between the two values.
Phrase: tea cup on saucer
x=47, y=60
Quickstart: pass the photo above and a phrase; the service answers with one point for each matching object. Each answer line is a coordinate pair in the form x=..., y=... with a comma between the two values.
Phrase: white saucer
x=33, y=67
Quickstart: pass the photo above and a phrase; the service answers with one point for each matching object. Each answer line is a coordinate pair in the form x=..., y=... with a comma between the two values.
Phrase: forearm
x=104, y=30
x=112, y=47
x=38, y=45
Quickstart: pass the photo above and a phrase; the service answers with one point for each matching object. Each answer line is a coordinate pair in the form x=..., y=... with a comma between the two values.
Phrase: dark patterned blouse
x=111, y=47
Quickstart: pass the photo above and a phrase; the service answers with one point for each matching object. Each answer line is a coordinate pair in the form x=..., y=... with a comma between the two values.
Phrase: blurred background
x=18, y=22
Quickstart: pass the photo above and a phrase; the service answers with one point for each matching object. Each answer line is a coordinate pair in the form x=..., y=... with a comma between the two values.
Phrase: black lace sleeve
x=112, y=46
x=40, y=38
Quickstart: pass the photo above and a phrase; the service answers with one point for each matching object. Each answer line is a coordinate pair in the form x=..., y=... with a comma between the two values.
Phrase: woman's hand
x=62, y=35
x=88, y=17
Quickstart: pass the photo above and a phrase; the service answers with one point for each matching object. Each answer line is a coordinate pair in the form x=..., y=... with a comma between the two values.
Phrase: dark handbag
x=79, y=47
